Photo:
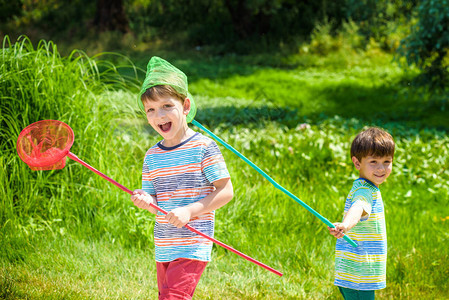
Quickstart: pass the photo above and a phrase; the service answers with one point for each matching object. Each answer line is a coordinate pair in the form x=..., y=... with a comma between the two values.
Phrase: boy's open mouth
x=165, y=127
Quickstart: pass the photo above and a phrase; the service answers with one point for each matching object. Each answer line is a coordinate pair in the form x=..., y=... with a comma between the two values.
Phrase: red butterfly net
x=44, y=145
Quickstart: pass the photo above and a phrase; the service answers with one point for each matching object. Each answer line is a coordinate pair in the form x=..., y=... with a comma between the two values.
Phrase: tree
x=249, y=18
x=428, y=44
x=9, y=9
x=110, y=15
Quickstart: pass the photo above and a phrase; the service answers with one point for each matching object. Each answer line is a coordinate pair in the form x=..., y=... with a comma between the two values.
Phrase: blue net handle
x=273, y=182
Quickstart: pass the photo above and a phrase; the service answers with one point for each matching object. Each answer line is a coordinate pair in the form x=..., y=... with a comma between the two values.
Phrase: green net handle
x=276, y=185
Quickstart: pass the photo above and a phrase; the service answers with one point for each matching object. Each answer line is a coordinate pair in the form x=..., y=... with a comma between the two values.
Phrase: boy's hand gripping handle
x=123, y=188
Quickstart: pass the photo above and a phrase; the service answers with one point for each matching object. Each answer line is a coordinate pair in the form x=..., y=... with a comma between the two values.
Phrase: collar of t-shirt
x=159, y=144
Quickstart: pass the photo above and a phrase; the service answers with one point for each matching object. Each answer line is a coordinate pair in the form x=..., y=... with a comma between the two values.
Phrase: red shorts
x=178, y=279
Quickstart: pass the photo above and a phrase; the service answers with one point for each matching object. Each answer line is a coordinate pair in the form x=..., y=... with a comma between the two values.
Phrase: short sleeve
x=364, y=197
x=212, y=164
x=147, y=184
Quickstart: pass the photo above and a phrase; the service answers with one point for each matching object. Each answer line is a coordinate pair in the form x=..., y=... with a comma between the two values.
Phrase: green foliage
x=325, y=41
x=374, y=16
x=428, y=44
x=239, y=26
x=383, y=22
x=9, y=10
x=224, y=25
x=51, y=18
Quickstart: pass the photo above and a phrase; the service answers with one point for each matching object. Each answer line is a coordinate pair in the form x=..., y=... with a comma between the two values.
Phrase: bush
x=428, y=44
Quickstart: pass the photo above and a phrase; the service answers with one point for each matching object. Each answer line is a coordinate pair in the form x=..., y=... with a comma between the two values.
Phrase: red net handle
x=45, y=144
x=75, y=158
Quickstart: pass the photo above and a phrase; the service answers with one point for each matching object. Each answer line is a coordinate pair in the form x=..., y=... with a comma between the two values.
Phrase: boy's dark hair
x=159, y=91
x=372, y=142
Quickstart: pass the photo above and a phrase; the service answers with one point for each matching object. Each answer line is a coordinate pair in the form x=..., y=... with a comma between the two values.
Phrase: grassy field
x=69, y=234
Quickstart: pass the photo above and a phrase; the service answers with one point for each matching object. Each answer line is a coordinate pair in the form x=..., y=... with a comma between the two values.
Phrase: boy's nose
x=381, y=167
x=160, y=113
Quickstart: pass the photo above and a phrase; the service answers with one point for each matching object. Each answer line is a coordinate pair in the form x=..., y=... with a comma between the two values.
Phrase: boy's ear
x=186, y=106
x=356, y=162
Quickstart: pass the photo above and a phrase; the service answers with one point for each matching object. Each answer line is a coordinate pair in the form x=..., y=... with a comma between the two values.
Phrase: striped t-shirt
x=179, y=176
x=363, y=267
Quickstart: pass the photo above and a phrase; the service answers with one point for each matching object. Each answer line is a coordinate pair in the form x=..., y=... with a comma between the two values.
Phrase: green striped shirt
x=363, y=267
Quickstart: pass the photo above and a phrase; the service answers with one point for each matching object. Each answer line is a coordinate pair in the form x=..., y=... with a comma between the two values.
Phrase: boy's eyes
x=164, y=106
x=385, y=162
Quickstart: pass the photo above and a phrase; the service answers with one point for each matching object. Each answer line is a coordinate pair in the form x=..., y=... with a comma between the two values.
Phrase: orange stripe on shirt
x=170, y=171
x=211, y=161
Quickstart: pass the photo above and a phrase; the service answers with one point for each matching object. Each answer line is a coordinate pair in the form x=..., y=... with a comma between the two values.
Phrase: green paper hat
x=161, y=72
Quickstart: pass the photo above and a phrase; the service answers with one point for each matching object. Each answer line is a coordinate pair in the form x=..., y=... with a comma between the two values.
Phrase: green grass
x=69, y=234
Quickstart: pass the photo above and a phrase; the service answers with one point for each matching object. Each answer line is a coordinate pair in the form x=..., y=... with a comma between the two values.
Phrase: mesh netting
x=44, y=145
x=161, y=72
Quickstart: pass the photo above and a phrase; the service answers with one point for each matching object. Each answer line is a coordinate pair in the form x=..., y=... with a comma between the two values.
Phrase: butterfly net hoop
x=44, y=145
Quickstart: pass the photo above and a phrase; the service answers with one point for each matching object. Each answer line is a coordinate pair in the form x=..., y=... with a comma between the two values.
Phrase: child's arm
x=142, y=199
x=223, y=194
x=351, y=219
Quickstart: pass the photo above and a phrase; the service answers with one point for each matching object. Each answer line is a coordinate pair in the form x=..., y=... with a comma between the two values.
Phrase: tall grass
x=70, y=234
x=37, y=83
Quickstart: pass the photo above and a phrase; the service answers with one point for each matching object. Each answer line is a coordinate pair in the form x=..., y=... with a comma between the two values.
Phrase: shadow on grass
x=394, y=103
x=256, y=116
x=417, y=108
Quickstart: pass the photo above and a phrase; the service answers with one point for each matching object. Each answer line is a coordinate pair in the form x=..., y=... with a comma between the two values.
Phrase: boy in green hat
x=185, y=174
